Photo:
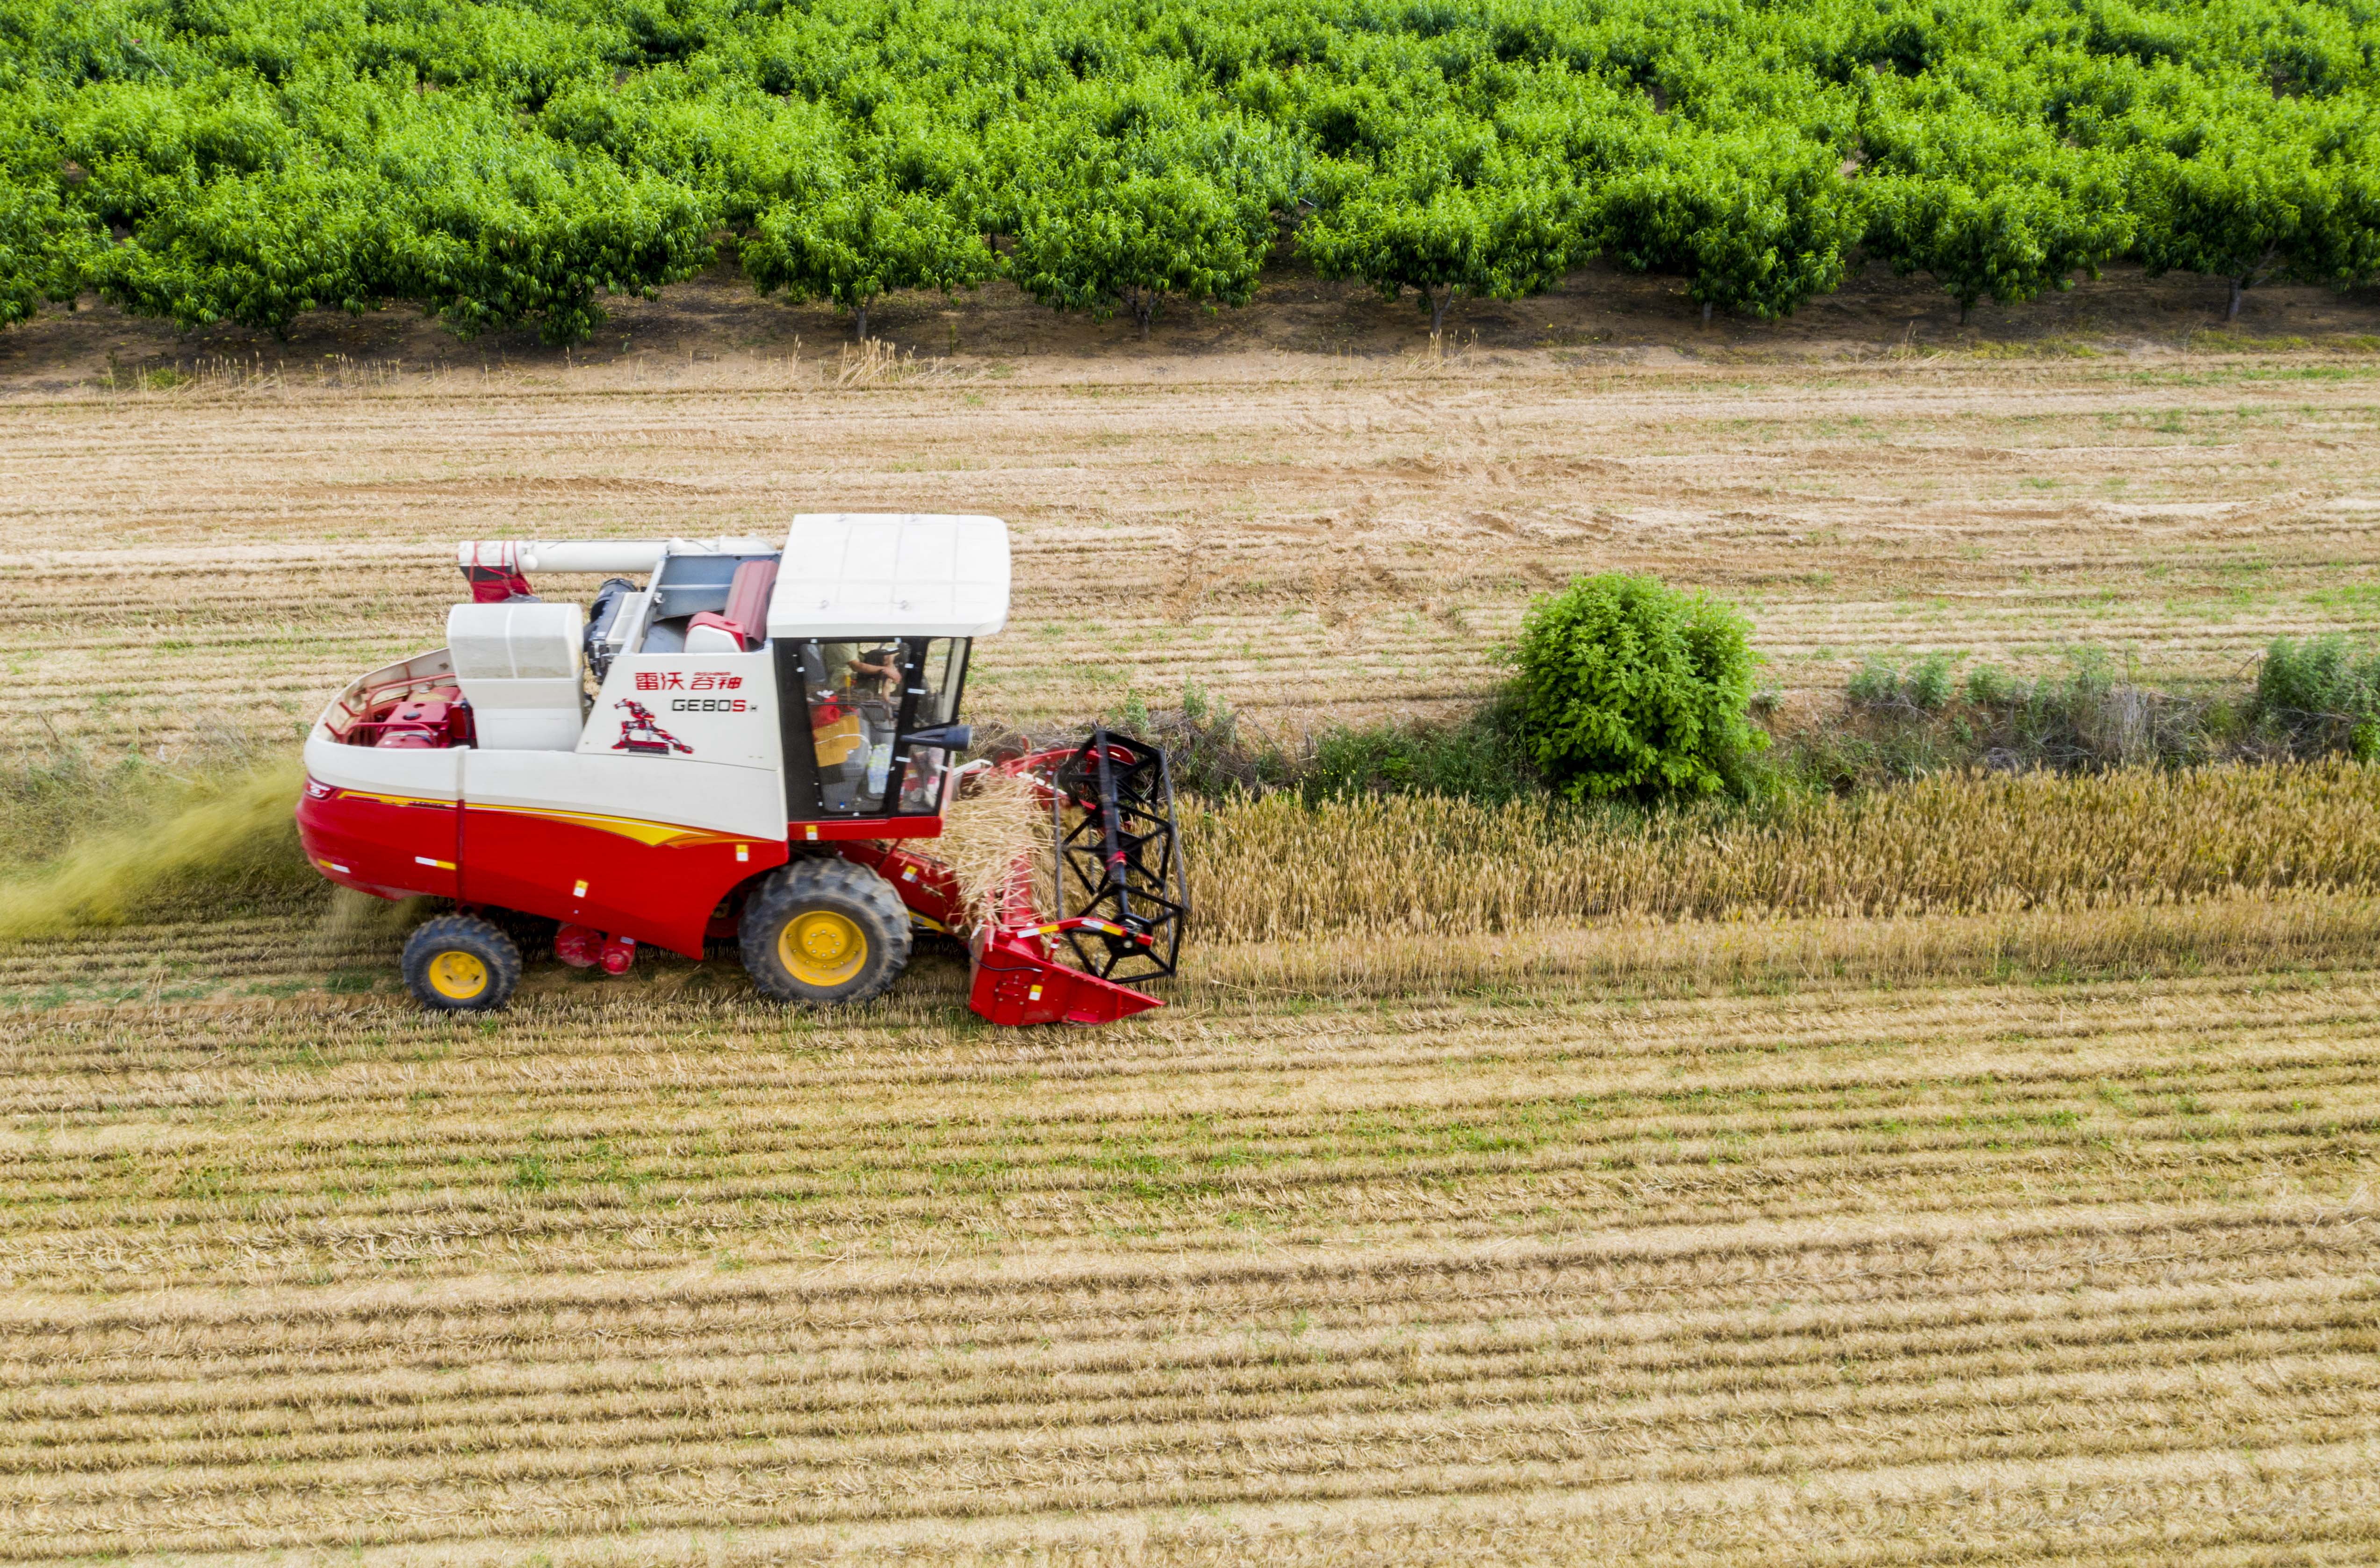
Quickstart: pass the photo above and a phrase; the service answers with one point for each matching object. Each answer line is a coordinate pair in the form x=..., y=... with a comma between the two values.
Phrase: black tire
x=446, y=956
x=843, y=927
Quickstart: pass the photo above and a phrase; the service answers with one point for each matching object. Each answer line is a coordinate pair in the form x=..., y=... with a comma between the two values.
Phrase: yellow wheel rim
x=457, y=976
x=821, y=948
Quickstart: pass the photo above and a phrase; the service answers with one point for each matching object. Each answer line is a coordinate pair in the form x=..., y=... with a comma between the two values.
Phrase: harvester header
x=753, y=743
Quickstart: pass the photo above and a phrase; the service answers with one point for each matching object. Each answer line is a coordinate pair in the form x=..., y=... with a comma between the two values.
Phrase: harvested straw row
x=1508, y=1368
x=1969, y=844
x=1522, y=1123
x=876, y=1377
x=401, y=1143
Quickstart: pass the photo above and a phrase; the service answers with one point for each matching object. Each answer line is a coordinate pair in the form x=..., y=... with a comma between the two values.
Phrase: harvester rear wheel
x=825, y=932
x=461, y=964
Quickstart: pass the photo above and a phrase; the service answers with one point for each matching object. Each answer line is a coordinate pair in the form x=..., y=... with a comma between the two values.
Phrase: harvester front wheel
x=461, y=964
x=825, y=932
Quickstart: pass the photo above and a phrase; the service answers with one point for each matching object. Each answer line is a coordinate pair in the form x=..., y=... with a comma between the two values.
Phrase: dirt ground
x=1601, y=315
x=1295, y=507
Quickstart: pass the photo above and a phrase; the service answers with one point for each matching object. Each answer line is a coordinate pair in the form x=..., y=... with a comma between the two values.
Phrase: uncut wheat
x=1968, y=843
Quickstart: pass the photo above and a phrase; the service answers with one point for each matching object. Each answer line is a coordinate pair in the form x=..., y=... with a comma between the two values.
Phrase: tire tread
x=476, y=934
x=805, y=882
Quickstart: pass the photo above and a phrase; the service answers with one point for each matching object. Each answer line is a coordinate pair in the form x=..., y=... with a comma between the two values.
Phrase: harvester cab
x=756, y=744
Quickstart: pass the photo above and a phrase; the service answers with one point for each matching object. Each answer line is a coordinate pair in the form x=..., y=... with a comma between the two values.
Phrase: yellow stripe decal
x=660, y=834
x=667, y=835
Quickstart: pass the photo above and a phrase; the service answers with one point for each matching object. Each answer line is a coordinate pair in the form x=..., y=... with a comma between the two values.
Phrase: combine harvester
x=753, y=745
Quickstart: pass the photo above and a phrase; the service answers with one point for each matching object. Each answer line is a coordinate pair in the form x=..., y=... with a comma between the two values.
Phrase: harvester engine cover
x=757, y=744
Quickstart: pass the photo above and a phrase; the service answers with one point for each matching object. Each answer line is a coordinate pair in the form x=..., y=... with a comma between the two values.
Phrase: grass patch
x=2033, y=348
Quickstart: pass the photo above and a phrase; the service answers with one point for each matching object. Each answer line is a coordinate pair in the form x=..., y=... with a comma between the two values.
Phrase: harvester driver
x=880, y=667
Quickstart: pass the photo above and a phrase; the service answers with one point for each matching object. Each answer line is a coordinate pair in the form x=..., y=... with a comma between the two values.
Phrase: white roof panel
x=862, y=573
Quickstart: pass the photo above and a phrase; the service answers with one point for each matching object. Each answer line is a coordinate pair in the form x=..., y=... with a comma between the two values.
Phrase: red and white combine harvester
x=754, y=744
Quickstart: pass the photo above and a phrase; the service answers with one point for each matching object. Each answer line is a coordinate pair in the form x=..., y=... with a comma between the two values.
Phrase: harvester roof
x=848, y=574
x=843, y=573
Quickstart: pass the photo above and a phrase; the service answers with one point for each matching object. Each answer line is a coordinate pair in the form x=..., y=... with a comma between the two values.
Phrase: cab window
x=939, y=671
x=854, y=692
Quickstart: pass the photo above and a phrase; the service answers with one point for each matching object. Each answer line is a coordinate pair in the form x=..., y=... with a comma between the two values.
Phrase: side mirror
x=949, y=737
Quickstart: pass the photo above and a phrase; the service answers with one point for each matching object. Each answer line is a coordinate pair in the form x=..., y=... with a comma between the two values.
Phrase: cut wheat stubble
x=1979, y=1172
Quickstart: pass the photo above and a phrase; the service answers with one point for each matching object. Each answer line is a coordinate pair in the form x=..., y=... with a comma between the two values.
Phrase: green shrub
x=1929, y=684
x=2321, y=694
x=1876, y=684
x=1478, y=758
x=1629, y=686
x=1988, y=685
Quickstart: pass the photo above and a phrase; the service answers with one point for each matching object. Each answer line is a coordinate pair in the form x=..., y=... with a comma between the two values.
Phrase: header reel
x=1118, y=892
x=1118, y=886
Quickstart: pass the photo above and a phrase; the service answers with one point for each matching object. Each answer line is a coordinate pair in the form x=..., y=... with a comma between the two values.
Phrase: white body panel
x=732, y=784
x=422, y=669
x=682, y=790
x=848, y=574
x=723, y=706
x=526, y=716
x=411, y=774
x=713, y=713
x=518, y=665
x=520, y=639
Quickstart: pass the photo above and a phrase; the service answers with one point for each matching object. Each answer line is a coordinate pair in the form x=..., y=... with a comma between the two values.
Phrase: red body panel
x=629, y=879
x=925, y=884
x=385, y=845
x=651, y=880
x=659, y=883
x=842, y=830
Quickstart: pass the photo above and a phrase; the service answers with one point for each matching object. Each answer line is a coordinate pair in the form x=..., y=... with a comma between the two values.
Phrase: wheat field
x=1822, y=1268
x=2041, y=1234
x=1984, y=1172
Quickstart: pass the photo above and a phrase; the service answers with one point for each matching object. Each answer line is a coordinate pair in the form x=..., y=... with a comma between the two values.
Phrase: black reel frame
x=1119, y=861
